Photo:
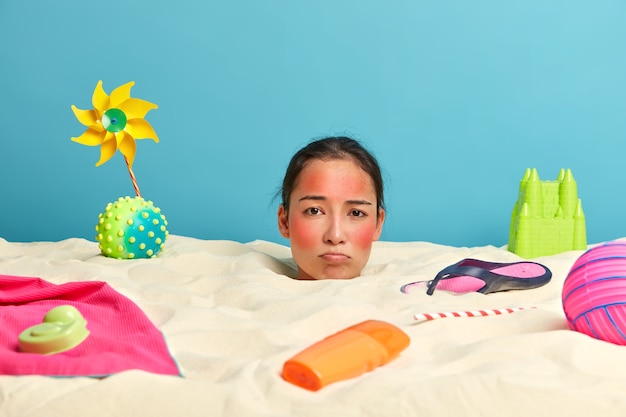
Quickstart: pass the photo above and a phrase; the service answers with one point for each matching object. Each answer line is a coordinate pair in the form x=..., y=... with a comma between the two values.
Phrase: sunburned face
x=332, y=220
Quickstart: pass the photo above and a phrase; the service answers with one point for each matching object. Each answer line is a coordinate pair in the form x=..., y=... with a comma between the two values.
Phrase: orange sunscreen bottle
x=346, y=354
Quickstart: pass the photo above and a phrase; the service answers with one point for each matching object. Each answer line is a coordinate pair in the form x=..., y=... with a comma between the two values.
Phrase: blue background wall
x=456, y=98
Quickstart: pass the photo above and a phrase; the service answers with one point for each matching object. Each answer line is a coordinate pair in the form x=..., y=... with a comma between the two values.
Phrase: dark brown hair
x=330, y=148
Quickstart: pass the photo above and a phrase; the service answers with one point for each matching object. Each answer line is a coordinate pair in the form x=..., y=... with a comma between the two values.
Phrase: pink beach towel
x=121, y=335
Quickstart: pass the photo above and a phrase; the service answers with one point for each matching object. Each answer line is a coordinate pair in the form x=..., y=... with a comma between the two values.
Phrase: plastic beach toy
x=548, y=216
x=594, y=293
x=131, y=228
x=346, y=354
x=63, y=328
x=115, y=122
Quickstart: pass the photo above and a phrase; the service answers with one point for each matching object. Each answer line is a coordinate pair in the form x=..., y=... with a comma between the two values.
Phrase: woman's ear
x=380, y=220
x=283, y=221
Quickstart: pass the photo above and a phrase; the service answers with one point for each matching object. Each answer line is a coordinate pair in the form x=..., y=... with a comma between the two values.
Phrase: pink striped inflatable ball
x=594, y=293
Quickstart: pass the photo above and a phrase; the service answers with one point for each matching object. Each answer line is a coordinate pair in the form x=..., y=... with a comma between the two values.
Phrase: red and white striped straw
x=468, y=313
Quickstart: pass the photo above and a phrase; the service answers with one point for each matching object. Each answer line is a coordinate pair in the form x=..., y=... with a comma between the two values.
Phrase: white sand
x=231, y=317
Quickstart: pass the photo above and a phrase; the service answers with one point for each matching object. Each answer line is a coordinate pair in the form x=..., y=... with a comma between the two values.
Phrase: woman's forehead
x=336, y=177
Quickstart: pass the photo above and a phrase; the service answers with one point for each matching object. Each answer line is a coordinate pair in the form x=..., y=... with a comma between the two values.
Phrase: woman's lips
x=334, y=257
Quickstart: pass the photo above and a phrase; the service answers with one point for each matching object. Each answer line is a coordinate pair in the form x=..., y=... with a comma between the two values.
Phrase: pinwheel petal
x=86, y=117
x=100, y=99
x=127, y=146
x=108, y=148
x=91, y=137
x=140, y=129
x=136, y=108
x=121, y=94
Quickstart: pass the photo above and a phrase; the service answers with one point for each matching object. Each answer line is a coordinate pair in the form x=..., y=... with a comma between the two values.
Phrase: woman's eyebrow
x=312, y=197
x=359, y=202
x=322, y=198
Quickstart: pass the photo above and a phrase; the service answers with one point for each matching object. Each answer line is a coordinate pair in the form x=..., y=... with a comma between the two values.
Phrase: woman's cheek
x=303, y=233
x=364, y=236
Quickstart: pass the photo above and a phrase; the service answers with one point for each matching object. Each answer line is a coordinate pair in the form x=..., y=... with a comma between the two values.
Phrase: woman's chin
x=328, y=273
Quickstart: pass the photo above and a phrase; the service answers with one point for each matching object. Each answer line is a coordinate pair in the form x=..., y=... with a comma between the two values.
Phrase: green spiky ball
x=131, y=228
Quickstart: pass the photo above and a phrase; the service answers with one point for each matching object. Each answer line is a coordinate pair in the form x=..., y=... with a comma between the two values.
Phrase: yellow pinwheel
x=115, y=122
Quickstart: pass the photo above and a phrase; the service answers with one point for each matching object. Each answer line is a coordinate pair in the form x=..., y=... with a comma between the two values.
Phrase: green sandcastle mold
x=548, y=216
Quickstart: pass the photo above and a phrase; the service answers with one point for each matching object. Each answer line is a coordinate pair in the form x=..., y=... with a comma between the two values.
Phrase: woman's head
x=332, y=208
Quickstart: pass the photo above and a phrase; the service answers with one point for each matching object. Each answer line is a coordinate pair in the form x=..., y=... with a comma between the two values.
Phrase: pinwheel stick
x=132, y=177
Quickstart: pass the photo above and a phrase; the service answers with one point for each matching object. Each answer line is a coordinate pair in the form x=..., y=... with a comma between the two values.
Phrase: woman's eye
x=357, y=213
x=313, y=211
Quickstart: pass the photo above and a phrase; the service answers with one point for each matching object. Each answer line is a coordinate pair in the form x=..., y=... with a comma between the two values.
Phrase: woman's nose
x=335, y=232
